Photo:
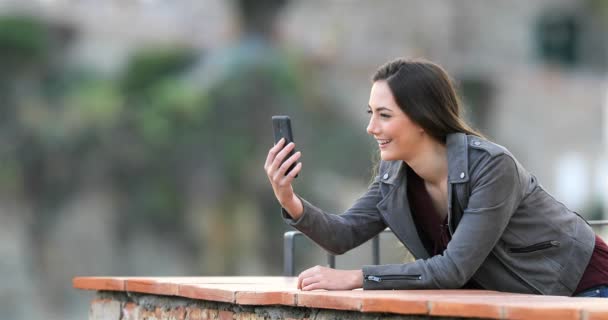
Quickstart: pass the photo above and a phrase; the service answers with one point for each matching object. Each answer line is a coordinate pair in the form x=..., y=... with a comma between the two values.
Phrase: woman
x=464, y=207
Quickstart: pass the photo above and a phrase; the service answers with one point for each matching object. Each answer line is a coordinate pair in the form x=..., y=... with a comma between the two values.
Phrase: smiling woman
x=397, y=135
x=469, y=212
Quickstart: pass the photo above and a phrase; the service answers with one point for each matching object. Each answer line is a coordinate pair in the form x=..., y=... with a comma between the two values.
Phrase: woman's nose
x=371, y=127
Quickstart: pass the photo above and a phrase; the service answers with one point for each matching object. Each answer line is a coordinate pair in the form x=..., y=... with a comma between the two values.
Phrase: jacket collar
x=394, y=173
x=458, y=157
x=458, y=162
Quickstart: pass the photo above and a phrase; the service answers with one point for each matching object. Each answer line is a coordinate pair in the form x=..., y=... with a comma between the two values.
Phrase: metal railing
x=289, y=248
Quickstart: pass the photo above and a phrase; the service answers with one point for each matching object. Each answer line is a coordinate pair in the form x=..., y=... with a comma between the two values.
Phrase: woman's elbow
x=336, y=250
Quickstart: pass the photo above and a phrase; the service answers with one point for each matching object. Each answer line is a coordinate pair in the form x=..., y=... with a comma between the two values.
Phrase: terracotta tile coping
x=282, y=291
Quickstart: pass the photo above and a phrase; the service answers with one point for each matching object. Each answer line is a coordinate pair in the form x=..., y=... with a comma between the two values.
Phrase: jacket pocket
x=536, y=247
x=393, y=277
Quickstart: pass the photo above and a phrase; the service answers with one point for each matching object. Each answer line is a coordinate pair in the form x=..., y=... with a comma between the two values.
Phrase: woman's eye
x=384, y=115
x=369, y=112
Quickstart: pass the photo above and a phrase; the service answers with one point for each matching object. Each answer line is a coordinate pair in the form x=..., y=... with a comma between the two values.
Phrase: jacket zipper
x=394, y=277
x=536, y=247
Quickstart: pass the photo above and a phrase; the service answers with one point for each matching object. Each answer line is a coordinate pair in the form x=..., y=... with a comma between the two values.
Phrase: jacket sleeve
x=494, y=197
x=339, y=233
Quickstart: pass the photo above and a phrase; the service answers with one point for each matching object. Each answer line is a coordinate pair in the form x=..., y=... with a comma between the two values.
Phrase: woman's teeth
x=383, y=142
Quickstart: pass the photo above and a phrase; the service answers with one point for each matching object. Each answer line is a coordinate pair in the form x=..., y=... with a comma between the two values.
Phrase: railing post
x=598, y=222
x=376, y=250
x=331, y=260
x=288, y=252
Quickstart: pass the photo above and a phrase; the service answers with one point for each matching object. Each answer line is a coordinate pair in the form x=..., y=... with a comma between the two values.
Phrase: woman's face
x=398, y=137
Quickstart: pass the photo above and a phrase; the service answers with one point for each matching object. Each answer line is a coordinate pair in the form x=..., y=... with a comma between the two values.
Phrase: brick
x=99, y=283
x=400, y=302
x=553, y=312
x=595, y=314
x=148, y=314
x=592, y=308
x=158, y=312
x=176, y=313
x=246, y=316
x=480, y=304
x=268, y=294
x=169, y=285
x=265, y=298
x=210, y=314
x=465, y=309
x=338, y=300
x=130, y=311
x=207, y=292
x=152, y=286
x=193, y=313
x=242, y=290
x=556, y=307
x=280, y=281
x=225, y=315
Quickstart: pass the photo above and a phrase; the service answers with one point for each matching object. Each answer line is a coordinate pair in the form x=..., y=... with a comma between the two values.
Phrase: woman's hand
x=330, y=279
x=281, y=183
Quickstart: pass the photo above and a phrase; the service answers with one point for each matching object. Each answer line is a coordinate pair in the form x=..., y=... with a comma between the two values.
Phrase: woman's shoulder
x=484, y=154
x=487, y=157
x=488, y=147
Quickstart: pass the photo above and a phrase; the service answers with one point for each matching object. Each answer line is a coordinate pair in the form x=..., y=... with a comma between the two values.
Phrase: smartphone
x=281, y=127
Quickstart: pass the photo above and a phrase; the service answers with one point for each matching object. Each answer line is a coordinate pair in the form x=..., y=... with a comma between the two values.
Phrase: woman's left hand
x=319, y=277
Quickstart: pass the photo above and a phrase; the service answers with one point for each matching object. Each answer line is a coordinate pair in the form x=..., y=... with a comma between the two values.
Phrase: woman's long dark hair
x=423, y=90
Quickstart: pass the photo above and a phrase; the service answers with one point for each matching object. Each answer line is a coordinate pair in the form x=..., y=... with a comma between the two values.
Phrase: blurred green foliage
x=149, y=67
x=23, y=40
x=158, y=138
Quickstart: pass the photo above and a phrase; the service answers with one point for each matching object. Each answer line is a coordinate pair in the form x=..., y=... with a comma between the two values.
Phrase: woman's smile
x=383, y=142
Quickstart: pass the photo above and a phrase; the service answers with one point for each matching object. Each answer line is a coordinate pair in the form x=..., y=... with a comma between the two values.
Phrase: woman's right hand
x=281, y=183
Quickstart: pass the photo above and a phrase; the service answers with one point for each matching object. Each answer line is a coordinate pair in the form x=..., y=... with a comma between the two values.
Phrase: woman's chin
x=386, y=156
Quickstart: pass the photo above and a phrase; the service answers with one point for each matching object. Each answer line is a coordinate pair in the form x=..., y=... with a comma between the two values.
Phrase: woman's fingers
x=273, y=152
x=312, y=284
x=319, y=277
x=307, y=282
x=278, y=161
x=312, y=278
x=285, y=166
x=281, y=179
x=275, y=158
x=307, y=274
x=295, y=171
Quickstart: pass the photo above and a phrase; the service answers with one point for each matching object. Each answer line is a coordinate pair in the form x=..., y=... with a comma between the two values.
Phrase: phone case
x=281, y=127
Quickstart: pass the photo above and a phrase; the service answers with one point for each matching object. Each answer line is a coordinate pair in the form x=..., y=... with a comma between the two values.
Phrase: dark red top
x=596, y=273
x=432, y=230
x=435, y=235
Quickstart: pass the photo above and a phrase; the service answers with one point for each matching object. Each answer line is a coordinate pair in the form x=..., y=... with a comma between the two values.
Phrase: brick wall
x=133, y=298
x=121, y=306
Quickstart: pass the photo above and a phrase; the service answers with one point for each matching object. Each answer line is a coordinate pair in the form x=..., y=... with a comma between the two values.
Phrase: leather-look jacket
x=508, y=233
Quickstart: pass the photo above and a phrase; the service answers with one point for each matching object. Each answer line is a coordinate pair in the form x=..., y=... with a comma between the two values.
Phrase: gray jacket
x=508, y=233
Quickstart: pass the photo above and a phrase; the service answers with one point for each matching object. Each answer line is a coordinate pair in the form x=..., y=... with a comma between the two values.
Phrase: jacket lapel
x=395, y=209
x=458, y=173
x=458, y=158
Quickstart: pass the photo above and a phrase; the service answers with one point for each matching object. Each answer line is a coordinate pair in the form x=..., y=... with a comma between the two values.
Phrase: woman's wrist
x=294, y=208
x=357, y=281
